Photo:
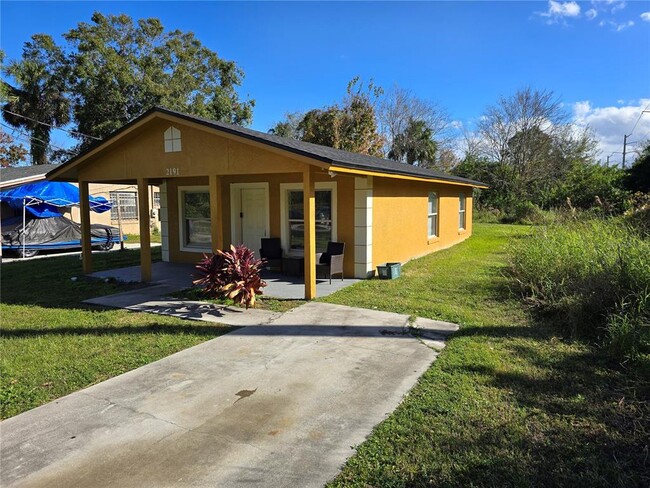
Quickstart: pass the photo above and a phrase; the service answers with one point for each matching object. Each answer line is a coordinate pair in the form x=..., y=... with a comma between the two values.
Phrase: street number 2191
x=172, y=171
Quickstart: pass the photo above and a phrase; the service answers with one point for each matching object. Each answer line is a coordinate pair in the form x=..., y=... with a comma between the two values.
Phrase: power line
x=30, y=138
x=52, y=126
x=25, y=139
x=637, y=120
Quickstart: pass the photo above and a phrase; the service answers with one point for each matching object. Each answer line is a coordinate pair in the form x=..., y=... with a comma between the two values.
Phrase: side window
x=433, y=215
x=125, y=205
x=461, y=211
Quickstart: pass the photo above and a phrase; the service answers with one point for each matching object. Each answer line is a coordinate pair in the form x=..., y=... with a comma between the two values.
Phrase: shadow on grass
x=361, y=330
x=587, y=417
x=59, y=282
x=199, y=330
x=556, y=456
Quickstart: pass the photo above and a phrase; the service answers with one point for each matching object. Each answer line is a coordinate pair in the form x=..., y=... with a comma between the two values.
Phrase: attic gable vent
x=172, y=140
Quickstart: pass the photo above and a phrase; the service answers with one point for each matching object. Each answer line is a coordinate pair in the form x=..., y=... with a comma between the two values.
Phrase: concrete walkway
x=264, y=406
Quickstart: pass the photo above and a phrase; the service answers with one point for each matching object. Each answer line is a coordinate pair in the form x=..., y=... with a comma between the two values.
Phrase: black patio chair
x=272, y=251
x=330, y=262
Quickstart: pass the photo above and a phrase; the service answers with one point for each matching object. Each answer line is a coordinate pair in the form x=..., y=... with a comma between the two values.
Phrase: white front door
x=250, y=215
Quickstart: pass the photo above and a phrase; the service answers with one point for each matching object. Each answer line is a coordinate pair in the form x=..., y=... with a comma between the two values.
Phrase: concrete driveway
x=274, y=405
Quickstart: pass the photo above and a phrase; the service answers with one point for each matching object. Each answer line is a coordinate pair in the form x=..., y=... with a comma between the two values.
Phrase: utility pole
x=624, y=148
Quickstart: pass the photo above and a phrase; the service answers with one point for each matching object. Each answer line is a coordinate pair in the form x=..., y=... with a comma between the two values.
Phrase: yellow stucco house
x=222, y=184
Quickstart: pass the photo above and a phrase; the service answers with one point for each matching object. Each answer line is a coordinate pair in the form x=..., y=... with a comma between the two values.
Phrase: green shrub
x=638, y=213
x=487, y=215
x=581, y=272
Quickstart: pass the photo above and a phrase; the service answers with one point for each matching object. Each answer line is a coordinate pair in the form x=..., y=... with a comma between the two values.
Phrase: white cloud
x=617, y=5
x=624, y=25
x=645, y=16
x=616, y=26
x=610, y=6
x=559, y=10
x=457, y=124
x=610, y=124
x=564, y=9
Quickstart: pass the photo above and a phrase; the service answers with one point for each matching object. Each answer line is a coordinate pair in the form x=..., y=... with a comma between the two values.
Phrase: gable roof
x=18, y=175
x=334, y=157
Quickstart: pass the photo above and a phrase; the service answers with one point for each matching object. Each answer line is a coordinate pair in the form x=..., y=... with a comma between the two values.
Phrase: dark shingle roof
x=336, y=157
x=18, y=172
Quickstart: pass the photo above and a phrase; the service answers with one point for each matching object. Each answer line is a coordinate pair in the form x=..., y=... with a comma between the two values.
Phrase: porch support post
x=145, y=232
x=216, y=212
x=310, y=233
x=84, y=210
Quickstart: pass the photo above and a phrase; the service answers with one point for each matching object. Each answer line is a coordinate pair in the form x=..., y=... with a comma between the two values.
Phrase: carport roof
x=336, y=158
x=19, y=175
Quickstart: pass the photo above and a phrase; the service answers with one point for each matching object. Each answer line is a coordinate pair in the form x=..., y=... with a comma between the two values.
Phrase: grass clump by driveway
x=53, y=345
x=509, y=402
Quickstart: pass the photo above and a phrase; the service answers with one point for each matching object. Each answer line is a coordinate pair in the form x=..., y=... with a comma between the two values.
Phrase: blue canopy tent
x=47, y=199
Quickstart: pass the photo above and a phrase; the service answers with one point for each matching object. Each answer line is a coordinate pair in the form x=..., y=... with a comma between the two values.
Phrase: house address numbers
x=172, y=171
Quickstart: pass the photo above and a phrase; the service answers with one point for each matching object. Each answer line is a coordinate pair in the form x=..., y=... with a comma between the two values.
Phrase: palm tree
x=38, y=99
x=415, y=145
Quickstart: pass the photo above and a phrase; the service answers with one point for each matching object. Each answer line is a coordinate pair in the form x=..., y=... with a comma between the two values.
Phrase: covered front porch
x=220, y=187
x=170, y=277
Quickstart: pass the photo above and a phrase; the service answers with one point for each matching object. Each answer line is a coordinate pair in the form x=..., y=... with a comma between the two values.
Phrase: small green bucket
x=389, y=271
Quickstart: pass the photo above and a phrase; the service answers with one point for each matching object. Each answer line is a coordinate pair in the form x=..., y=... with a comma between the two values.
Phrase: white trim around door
x=236, y=231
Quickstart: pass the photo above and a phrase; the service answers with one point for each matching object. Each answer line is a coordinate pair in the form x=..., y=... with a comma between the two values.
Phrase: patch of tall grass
x=593, y=277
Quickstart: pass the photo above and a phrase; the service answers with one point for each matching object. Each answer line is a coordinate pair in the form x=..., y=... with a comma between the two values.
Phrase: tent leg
x=24, y=219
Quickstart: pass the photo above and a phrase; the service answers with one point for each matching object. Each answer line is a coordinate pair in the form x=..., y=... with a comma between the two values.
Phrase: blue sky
x=463, y=55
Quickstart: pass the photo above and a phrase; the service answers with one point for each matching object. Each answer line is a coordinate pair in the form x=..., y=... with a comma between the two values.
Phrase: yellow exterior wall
x=400, y=219
x=142, y=154
x=345, y=210
x=399, y=215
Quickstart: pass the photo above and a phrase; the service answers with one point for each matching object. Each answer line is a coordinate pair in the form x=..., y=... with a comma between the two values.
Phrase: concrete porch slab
x=175, y=277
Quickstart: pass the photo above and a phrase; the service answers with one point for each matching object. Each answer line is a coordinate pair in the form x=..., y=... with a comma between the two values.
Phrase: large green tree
x=37, y=100
x=531, y=144
x=118, y=68
x=350, y=125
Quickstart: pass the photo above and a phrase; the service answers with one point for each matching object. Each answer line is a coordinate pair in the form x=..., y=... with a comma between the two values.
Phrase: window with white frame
x=461, y=211
x=195, y=219
x=433, y=214
x=156, y=199
x=124, y=205
x=295, y=207
x=172, y=140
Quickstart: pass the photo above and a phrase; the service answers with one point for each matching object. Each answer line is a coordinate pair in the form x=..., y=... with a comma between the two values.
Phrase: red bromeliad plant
x=233, y=274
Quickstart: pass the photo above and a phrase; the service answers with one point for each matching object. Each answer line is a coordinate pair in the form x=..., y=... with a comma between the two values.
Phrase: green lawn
x=135, y=238
x=508, y=402
x=52, y=345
